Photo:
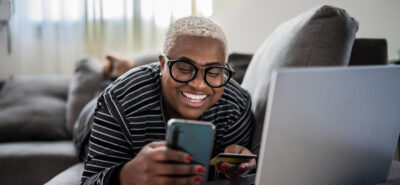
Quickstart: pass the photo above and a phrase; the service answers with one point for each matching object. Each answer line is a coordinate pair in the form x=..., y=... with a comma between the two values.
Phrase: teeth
x=193, y=97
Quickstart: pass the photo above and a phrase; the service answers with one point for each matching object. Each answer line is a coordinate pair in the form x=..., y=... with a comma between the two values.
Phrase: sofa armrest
x=32, y=163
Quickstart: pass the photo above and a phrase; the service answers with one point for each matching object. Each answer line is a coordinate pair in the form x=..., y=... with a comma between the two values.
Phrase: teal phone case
x=193, y=137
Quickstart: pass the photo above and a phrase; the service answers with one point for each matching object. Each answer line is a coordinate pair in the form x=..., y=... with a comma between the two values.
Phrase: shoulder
x=234, y=103
x=235, y=96
x=135, y=82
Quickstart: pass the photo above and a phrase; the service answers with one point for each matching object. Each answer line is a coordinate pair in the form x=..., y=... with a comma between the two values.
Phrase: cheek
x=170, y=87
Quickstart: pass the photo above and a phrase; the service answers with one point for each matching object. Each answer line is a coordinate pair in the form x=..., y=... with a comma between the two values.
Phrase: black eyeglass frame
x=230, y=70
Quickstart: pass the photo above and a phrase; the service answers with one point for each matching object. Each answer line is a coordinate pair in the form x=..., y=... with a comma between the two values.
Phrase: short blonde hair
x=194, y=26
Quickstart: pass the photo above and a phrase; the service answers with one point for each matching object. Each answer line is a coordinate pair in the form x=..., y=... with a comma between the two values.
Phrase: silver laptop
x=330, y=126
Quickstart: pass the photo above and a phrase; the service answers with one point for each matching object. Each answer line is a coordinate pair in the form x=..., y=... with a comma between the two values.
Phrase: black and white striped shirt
x=129, y=115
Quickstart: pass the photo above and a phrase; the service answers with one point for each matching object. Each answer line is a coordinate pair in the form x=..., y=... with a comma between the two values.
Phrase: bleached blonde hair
x=194, y=26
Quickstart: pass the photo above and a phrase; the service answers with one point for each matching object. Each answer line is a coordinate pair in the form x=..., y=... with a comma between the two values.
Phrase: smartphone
x=193, y=137
x=231, y=158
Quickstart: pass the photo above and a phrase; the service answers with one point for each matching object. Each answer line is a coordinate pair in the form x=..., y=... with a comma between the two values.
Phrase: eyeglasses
x=184, y=70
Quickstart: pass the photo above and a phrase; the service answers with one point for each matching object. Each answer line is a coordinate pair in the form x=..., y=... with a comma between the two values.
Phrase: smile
x=194, y=98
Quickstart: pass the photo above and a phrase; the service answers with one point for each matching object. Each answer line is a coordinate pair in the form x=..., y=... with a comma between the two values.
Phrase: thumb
x=156, y=144
x=236, y=149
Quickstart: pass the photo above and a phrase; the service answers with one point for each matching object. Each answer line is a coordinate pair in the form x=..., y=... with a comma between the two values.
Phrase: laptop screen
x=332, y=125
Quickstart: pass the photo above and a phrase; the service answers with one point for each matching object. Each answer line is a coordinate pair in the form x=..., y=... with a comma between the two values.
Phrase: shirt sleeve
x=240, y=130
x=108, y=149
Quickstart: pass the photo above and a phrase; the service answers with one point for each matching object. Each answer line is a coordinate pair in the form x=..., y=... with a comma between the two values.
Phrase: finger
x=231, y=170
x=226, y=166
x=178, y=180
x=247, y=165
x=164, y=154
x=178, y=169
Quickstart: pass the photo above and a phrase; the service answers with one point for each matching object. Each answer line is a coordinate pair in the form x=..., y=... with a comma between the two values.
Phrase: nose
x=198, y=81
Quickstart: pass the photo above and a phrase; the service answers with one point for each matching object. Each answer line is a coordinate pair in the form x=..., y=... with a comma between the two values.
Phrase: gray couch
x=323, y=36
x=240, y=63
x=34, y=142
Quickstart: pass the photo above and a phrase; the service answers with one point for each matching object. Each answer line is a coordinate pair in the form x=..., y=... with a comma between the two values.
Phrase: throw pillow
x=322, y=36
x=87, y=80
x=33, y=108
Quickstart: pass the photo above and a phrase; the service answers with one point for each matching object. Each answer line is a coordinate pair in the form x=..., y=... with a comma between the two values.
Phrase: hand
x=233, y=170
x=152, y=165
x=116, y=66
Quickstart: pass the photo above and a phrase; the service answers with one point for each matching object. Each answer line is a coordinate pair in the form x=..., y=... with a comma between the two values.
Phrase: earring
x=161, y=73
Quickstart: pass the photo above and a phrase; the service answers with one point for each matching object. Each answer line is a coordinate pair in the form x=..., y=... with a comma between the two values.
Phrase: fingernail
x=189, y=158
x=201, y=170
x=242, y=167
x=198, y=179
x=224, y=166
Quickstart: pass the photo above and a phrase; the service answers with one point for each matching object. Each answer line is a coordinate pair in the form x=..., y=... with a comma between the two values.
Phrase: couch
x=322, y=36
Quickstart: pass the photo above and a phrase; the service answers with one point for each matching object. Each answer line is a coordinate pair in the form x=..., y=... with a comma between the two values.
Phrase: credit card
x=231, y=158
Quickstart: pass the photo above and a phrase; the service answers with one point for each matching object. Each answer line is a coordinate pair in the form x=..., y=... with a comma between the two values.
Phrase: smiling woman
x=48, y=36
x=127, y=138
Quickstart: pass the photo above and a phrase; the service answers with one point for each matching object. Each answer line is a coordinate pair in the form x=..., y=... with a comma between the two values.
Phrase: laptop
x=330, y=126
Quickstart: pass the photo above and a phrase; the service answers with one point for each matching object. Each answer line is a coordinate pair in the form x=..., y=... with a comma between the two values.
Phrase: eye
x=185, y=70
x=215, y=72
x=184, y=67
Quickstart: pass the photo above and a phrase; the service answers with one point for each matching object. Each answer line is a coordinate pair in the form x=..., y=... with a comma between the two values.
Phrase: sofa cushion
x=87, y=80
x=70, y=176
x=33, y=163
x=322, y=36
x=361, y=53
x=33, y=108
x=239, y=63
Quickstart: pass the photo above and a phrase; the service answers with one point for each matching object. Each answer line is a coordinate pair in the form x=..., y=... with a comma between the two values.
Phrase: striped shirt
x=129, y=115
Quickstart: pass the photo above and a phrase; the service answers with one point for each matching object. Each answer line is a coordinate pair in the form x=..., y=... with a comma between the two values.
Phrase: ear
x=162, y=62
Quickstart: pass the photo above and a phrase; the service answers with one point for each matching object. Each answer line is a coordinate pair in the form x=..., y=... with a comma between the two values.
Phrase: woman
x=191, y=81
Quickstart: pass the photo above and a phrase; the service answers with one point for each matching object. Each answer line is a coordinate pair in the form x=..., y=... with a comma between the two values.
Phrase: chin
x=193, y=115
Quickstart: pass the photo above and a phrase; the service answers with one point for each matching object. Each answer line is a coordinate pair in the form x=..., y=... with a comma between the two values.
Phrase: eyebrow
x=208, y=64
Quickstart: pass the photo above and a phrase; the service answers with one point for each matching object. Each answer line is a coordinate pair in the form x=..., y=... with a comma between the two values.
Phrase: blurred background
x=49, y=36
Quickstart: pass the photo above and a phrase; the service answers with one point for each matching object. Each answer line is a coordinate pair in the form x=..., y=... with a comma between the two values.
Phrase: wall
x=4, y=55
x=247, y=23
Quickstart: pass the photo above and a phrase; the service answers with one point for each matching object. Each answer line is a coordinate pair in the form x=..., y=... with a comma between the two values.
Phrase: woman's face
x=190, y=100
